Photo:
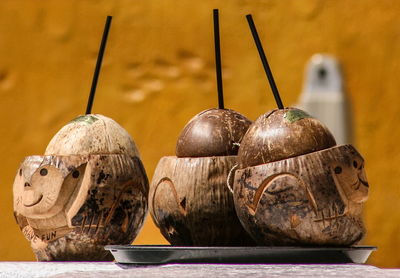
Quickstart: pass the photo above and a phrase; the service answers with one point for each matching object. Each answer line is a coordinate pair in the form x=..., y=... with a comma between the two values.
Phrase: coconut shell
x=88, y=191
x=281, y=134
x=70, y=207
x=92, y=134
x=191, y=204
x=312, y=199
x=214, y=132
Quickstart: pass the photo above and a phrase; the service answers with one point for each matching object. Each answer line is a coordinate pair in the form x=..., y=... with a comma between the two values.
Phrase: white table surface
x=109, y=269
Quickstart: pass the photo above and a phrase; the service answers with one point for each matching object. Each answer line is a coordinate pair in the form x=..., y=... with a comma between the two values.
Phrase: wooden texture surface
x=88, y=270
x=312, y=199
x=191, y=204
x=69, y=207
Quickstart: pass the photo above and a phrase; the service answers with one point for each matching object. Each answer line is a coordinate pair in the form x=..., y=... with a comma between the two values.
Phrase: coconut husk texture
x=191, y=204
x=311, y=199
x=92, y=134
x=88, y=191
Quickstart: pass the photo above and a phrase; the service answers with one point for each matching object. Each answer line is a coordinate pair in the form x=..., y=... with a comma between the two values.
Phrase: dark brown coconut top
x=213, y=132
x=281, y=134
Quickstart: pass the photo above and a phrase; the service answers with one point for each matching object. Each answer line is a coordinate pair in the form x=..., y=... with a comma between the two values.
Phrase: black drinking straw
x=98, y=65
x=264, y=62
x=218, y=60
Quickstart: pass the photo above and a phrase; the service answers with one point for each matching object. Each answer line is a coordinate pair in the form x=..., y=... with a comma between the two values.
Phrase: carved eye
x=43, y=172
x=75, y=174
x=338, y=170
x=20, y=172
x=355, y=164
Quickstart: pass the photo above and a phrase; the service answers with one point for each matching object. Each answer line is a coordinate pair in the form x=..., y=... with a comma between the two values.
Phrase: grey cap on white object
x=92, y=134
x=324, y=98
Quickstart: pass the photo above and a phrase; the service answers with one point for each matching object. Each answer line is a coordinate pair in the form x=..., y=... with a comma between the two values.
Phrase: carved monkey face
x=44, y=184
x=351, y=181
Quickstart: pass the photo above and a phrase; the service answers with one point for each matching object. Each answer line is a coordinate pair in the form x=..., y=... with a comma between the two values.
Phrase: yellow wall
x=158, y=72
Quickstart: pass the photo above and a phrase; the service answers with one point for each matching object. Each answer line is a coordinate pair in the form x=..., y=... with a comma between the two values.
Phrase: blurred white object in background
x=323, y=96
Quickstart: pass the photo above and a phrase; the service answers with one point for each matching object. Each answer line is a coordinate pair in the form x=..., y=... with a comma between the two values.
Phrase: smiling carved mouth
x=31, y=205
x=358, y=183
x=364, y=182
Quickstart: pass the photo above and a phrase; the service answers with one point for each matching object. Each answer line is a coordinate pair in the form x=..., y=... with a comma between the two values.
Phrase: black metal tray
x=163, y=254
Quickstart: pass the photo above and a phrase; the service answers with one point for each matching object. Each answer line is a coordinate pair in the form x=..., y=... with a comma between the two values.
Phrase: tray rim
x=168, y=254
x=166, y=247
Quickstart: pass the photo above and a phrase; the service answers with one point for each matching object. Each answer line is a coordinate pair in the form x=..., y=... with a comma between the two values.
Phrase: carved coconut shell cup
x=189, y=199
x=88, y=191
x=308, y=192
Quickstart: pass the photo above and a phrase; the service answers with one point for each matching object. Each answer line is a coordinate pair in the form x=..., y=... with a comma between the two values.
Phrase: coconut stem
x=264, y=62
x=218, y=60
x=98, y=65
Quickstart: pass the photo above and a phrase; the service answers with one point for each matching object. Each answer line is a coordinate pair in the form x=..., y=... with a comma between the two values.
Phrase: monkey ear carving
x=79, y=194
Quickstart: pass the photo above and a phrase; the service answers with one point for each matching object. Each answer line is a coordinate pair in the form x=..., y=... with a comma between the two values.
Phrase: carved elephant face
x=311, y=199
x=44, y=184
